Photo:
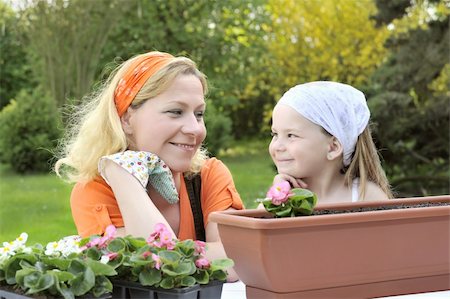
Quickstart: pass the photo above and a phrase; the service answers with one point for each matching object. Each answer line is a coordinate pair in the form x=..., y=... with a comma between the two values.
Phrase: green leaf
x=221, y=264
x=169, y=257
x=150, y=277
x=21, y=274
x=93, y=253
x=202, y=276
x=102, y=286
x=219, y=275
x=59, y=263
x=184, y=268
x=100, y=269
x=84, y=280
x=167, y=283
x=187, y=281
x=117, y=245
x=44, y=282
x=63, y=275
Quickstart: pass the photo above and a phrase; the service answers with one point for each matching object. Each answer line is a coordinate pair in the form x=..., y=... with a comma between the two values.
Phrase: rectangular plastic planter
x=133, y=290
x=365, y=254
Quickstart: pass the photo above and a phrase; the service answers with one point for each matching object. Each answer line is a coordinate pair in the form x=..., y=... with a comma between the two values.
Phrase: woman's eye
x=291, y=135
x=175, y=112
x=199, y=114
x=273, y=134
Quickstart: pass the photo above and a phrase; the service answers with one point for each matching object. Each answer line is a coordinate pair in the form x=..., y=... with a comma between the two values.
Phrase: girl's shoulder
x=374, y=192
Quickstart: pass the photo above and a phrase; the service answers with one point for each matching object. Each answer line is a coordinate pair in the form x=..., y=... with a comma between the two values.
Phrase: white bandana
x=338, y=108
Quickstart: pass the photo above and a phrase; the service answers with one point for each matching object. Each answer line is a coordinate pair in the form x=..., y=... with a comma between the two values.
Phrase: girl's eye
x=291, y=135
x=273, y=134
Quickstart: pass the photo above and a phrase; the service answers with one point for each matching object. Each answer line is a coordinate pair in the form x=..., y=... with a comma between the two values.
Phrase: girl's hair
x=366, y=165
x=95, y=130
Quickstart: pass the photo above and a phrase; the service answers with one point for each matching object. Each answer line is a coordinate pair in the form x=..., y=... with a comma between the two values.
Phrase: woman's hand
x=295, y=183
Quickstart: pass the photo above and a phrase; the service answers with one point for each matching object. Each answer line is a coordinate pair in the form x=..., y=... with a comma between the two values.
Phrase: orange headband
x=136, y=76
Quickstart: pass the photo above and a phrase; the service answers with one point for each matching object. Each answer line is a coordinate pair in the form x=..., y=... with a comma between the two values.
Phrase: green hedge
x=29, y=132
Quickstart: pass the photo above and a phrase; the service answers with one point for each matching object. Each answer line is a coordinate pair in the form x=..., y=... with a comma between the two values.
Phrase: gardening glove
x=146, y=168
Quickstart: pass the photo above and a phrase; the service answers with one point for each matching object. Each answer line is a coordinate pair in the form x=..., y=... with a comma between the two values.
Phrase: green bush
x=219, y=129
x=28, y=132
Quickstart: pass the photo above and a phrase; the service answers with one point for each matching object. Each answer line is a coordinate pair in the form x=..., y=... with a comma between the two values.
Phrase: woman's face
x=169, y=125
x=299, y=147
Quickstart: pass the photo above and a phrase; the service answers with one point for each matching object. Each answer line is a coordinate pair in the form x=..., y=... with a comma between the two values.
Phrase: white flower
x=64, y=247
x=52, y=248
x=104, y=259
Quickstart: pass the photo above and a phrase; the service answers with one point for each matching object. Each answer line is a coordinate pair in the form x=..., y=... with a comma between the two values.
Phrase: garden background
x=54, y=52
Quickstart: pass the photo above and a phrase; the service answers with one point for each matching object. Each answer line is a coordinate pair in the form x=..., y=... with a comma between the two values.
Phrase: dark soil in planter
x=380, y=208
x=15, y=292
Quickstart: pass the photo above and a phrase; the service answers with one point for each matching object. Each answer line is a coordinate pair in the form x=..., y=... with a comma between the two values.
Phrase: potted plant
x=105, y=266
x=57, y=270
x=159, y=266
x=354, y=250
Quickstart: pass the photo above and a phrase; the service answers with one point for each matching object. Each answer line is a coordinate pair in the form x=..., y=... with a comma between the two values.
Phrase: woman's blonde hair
x=95, y=129
x=366, y=165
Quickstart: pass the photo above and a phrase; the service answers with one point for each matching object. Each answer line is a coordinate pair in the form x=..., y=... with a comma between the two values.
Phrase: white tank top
x=355, y=187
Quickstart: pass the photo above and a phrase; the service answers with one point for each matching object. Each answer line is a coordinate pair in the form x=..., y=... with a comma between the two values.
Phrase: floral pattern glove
x=146, y=168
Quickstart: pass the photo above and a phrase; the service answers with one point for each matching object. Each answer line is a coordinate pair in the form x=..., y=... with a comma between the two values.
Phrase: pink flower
x=162, y=237
x=157, y=261
x=279, y=193
x=202, y=263
x=200, y=247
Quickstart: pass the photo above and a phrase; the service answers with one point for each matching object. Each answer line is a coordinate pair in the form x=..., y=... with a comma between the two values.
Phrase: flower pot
x=133, y=290
x=370, y=253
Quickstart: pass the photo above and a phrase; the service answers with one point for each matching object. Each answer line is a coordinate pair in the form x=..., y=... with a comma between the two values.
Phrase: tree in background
x=314, y=40
x=66, y=39
x=410, y=96
x=15, y=70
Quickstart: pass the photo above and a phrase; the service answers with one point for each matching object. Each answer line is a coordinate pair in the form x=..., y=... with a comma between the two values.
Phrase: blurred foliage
x=28, y=132
x=15, y=70
x=410, y=99
x=66, y=39
x=252, y=51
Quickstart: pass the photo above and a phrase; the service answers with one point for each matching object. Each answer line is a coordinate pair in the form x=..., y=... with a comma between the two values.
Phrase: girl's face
x=299, y=147
x=170, y=125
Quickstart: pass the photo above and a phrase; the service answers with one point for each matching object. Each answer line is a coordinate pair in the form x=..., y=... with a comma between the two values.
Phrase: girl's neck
x=329, y=187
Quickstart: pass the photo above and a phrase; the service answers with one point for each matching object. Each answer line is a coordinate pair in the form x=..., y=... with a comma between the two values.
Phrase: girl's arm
x=139, y=213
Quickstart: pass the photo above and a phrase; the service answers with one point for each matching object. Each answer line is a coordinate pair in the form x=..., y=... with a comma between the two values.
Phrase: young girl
x=130, y=149
x=322, y=141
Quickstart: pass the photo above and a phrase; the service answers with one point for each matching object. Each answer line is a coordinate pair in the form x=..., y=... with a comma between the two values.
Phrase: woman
x=130, y=149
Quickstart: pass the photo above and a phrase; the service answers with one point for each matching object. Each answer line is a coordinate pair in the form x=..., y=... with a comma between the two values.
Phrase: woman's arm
x=138, y=211
x=215, y=248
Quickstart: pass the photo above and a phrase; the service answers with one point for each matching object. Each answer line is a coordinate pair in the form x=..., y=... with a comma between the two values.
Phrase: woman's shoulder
x=84, y=191
x=374, y=192
x=214, y=165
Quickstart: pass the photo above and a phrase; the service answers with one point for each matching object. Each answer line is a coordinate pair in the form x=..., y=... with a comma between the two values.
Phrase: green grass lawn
x=39, y=204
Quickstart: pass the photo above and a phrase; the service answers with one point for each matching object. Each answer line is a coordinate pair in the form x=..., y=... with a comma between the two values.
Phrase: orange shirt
x=94, y=205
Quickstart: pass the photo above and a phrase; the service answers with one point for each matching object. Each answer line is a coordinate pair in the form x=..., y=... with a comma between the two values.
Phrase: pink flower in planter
x=162, y=237
x=279, y=193
x=157, y=260
x=202, y=263
x=102, y=242
x=200, y=247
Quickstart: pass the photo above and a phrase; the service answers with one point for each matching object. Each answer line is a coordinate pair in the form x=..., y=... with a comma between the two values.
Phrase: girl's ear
x=335, y=149
x=126, y=121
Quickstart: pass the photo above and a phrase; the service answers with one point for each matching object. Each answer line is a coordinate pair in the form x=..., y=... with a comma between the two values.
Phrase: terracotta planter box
x=347, y=255
x=132, y=290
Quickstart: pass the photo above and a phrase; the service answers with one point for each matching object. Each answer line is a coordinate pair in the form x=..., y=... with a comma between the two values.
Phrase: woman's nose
x=193, y=126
